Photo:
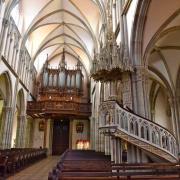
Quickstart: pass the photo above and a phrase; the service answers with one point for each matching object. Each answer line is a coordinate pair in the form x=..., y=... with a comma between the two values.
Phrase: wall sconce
x=79, y=127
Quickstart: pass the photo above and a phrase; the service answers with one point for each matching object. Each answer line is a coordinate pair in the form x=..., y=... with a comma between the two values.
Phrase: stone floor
x=38, y=171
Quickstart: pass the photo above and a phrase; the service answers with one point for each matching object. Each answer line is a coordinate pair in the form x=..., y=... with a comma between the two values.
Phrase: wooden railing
x=59, y=107
x=148, y=135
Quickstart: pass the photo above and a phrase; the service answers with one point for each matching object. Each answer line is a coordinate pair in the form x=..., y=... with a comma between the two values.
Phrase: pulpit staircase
x=147, y=135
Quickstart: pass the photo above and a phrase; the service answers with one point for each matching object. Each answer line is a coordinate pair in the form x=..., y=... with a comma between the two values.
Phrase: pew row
x=15, y=159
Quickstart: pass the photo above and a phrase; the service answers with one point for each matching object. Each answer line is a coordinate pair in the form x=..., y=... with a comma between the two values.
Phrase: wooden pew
x=17, y=159
x=3, y=165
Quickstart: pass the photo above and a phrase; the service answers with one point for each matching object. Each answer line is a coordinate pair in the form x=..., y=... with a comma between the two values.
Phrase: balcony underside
x=107, y=75
x=53, y=109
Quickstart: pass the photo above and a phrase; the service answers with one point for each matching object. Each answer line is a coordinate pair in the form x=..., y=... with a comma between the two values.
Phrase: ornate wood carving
x=60, y=93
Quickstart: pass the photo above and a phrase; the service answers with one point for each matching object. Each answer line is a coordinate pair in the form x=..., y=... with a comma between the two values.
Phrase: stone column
x=45, y=133
x=102, y=143
x=92, y=133
x=113, y=92
x=106, y=145
x=112, y=148
x=96, y=135
x=5, y=127
x=4, y=35
x=127, y=94
x=138, y=155
x=119, y=151
x=140, y=95
x=21, y=131
x=173, y=102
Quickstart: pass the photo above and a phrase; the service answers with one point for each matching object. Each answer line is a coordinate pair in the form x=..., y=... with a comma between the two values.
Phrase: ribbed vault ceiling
x=162, y=33
x=51, y=25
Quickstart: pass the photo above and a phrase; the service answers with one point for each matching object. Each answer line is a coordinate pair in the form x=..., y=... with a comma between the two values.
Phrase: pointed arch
x=6, y=87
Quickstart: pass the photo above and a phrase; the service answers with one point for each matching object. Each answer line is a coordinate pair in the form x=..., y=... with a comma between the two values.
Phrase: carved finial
x=63, y=56
x=62, y=63
x=79, y=65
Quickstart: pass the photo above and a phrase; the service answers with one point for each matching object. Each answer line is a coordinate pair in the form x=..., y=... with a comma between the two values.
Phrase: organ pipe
x=61, y=77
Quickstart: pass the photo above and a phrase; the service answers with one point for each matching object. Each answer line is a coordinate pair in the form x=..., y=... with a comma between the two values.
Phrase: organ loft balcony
x=60, y=93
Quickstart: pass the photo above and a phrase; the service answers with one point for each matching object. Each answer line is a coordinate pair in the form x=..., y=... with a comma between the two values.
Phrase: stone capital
x=22, y=117
x=141, y=72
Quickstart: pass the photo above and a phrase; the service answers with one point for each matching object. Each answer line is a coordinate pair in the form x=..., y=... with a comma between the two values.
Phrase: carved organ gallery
x=62, y=106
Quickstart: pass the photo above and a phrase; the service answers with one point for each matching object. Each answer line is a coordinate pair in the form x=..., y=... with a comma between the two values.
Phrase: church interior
x=91, y=87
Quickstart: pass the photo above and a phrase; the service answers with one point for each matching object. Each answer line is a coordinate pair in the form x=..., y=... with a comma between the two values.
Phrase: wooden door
x=60, y=136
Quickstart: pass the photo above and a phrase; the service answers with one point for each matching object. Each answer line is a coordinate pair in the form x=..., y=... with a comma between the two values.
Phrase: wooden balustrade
x=59, y=108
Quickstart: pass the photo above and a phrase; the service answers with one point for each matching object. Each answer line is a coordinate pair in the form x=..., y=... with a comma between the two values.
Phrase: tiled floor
x=38, y=171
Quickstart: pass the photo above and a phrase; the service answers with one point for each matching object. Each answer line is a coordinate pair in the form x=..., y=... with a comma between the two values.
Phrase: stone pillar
x=6, y=127
x=92, y=132
x=4, y=35
x=21, y=131
x=106, y=145
x=118, y=150
x=102, y=148
x=45, y=133
x=96, y=135
x=138, y=155
x=127, y=94
x=139, y=81
x=113, y=91
x=112, y=148
x=173, y=102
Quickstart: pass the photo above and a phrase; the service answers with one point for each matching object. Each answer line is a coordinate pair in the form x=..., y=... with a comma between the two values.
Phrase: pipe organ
x=60, y=93
x=63, y=80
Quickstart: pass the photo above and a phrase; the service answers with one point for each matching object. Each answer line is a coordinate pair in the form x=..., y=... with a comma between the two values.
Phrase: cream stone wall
x=161, y=111
x=38, y=138
x=4, y=68
x=80, y=136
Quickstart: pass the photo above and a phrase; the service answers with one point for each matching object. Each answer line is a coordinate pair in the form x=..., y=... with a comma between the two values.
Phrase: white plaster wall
x=77, y=136
x=158, y=12
x=161, y=107
x=130, y=18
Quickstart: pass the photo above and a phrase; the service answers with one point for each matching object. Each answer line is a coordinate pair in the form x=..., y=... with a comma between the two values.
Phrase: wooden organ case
x=60, y=93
